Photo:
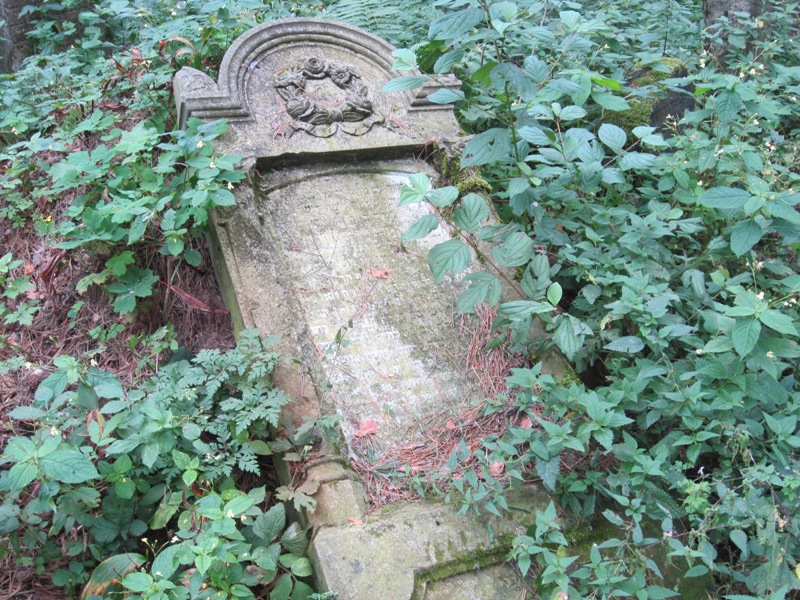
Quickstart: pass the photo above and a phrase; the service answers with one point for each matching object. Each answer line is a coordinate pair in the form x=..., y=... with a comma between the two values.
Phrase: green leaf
x=536, y=135
x=407, y=82
x=447, y=61
x=778, y=321
x=114, y=568
x=271, y=523
x=745, y=336
x=482, y=287
x=405, y=60
x=744, y=236
x=725, y=198
x=610, y=101
x=420, y=228
x=727, y=105
x=442, y=197
x=301, y=568
x=571, y=113
x=490, y=146
x=516, y=250
x=193, y=257
x=452, y=255
x=282, y=589
x=416, y=189
x=630, y=344
x=68, y=466
x=137, y=581
x=21, y=474
x=638, y=160
x=612, y=136
x=455, y=24
x=472, y=210
x=554, y=294
x=446, y=96
x=517, y=310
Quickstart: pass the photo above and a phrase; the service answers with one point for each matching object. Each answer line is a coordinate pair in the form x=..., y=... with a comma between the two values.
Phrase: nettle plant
x=154, y=470
x=663, y=269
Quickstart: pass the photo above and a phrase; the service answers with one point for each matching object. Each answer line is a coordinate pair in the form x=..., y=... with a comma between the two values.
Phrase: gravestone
x=312, y=251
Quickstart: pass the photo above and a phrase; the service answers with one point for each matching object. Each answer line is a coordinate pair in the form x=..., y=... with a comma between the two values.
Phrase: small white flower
x=54, y=432
x=230, y=514
x=699, y=351
x=770, y=354
x=760, y=295
x=230, y=185
x=200, y=144
x=212, y=165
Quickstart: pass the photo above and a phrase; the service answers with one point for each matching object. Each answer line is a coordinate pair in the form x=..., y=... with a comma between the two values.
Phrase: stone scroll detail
x=353, y=114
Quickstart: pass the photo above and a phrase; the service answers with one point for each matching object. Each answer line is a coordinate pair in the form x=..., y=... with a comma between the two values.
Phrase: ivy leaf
x=420, y=228
x=744, y=236
x=745, y=336
x=407, y=82
x=482, y=287
x=490, y=146
x=470, y=213
x=68, y=466
x=452, y=255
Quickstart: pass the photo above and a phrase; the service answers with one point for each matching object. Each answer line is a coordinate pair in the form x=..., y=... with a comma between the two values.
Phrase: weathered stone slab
x=312, y=251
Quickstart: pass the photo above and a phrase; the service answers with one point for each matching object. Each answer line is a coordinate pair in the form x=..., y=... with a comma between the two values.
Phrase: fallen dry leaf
x=526, y=423
x=355, y=521
x=497, y=468
x=367, y=428
x=380, y=274
x=450, y=425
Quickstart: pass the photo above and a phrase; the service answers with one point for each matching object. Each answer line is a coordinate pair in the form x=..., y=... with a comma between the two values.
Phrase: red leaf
x=367, y=428
x=355, y=521
x=526, y=423
x=380, y=274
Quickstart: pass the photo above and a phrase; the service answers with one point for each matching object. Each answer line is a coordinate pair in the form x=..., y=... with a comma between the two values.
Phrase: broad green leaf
x=537, y=136
x=447, y=61
x=442, y=197
x=493, y=145
x=783, y=210
x=517, y=310
x=567, y=337
x=638, y=160
x=269, y=525
x=21, y=474
x=745, y=336
x=630, y=344
x=68, y=466
x=405, y=60
x=282, y=589
x=416, y=189
x=744, y=236
x=455, y=24
x=453, y=256
x=571, y=113
x=407, y=82
x=472, y=210
x=294, y=540
x=610, y=101
x=554, y=294
x=237, y=505
x=727, y=105
x=137, y=581
x=516, y=250
x=446, y=96
x=725, y=198
x=420, y=228
x=301, y=567
x=483, y=287
x=778, y=321
x=106, y=576
x=612, y=136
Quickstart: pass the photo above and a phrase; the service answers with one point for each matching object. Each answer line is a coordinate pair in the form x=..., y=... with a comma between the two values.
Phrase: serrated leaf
x=455, y=24
x=516, y=250
x=536, y=135
x=489, y=146
x=472, y=210
x=638, y=160
x=446, y=96
x=745, y=235
x=778, y=321
x=725, y=198
x=610, y=101
x=612, y=136
x=22, y=413
x=453, y=256
x=21, y=474
x=630, y=344
x=404, y=83
x=68, y=466
x=727, y=105
x=269, y=525
x=745, y=336
x=416, y=189
x=483, y=287
x=571, y=113
x=420, y=228
x=517, y=310
x=301, y=567
x=447, y=61
x=442, y=197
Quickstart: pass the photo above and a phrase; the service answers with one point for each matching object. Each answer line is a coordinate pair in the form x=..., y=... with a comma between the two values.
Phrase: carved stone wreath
x=354, y=114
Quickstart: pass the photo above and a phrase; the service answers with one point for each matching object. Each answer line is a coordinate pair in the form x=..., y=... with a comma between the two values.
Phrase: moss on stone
x=642, y=108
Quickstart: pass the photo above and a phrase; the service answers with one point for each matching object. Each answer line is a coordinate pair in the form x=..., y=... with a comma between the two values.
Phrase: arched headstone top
x=307, y=86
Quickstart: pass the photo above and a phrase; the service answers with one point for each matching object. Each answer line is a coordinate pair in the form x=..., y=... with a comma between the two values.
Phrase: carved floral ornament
x=354, y=114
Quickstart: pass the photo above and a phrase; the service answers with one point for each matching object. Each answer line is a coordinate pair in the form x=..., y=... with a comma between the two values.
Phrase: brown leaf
x=497, y=468
x=193, y=302
x=380, y=273
x=355, y=521
x=367, y=428
x=526, y=423
x=450, y=425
